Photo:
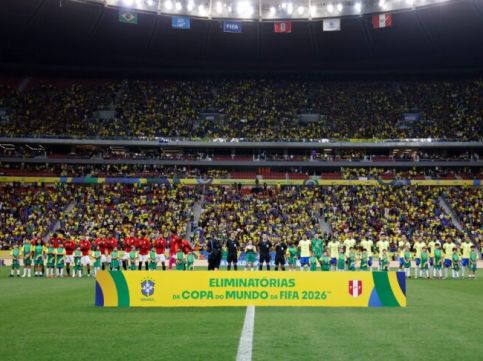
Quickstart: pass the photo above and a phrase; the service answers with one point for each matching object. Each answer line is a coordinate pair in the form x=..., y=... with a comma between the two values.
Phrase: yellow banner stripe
x=396, y=290
x=108, y=287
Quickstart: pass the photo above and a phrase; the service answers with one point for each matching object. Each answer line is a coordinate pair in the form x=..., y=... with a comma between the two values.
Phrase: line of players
x=73, y=256
x=429, y=259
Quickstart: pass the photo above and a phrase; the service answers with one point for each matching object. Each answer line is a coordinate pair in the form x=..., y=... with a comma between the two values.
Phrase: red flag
x=381, y=21
x=283, y=27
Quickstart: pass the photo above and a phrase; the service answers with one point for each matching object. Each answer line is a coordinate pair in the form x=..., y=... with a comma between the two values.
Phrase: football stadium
x=241, y=180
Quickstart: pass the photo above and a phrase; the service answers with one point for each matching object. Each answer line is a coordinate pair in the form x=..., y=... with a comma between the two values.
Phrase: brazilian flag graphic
x=128, y=17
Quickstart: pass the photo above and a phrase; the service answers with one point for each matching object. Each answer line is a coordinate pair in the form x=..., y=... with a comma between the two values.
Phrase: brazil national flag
x=128, y=17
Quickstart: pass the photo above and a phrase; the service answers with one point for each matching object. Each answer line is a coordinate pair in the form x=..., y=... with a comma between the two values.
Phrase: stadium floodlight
x=330, y=8
x=128, y=2
x=339, y=7
x=202, y=10
x=358, y=7
x=244, y=9
x=178, y=6
x=191, y=5
x=410, y=2
x=289, y=8
x=168, y=5
x=382, y=3
x=150, y=3
x=272, y=11
x=300, y=10
x=313, y=10
x=284, y=6
x=219, y=7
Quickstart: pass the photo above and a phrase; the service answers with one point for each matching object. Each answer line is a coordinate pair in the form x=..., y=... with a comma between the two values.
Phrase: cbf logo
x=355, y=288
x=147, y=287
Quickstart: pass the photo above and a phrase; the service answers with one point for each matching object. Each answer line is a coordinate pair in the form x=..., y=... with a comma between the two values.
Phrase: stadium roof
x=68, y=33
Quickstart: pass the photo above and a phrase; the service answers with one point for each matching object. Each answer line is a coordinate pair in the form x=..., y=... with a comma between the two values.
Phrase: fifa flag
x=180, y=22
x=232, y=26
x=382, y=21
x=331, y=25
x=283, y=27
x=128, y=17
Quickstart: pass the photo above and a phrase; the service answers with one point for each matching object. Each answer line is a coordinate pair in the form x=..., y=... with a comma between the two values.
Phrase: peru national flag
x=283, y=27
x=381, y=21
x=355, y=288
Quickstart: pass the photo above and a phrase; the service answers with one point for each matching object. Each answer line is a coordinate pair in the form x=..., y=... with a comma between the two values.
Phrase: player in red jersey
x=128, y=243
x=101, y=245
x=174, y=245
x=186, y=246
x=144, y=247
x=111, y=245
x=55, y=240
x=85, y=247
x=160, y=247
x=69, y=245
x=36, y=240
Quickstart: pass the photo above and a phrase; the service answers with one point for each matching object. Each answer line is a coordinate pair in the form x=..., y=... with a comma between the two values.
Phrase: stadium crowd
x=131, y=226
x=261, y=109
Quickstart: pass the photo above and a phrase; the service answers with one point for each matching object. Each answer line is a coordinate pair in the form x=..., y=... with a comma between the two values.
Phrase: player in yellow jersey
x=367, y=244
x=448, y=253
x=465, y=253
x=304, y=246
x=382, y=244
x=333, y=247
x=349, y=243
x=418, y=248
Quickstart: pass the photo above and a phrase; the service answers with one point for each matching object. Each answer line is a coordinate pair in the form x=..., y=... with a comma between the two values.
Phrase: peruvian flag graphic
x=381, y=21
x=355, y=288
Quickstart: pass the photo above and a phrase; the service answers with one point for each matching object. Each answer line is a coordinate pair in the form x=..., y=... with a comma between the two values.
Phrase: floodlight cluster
x=268, y=9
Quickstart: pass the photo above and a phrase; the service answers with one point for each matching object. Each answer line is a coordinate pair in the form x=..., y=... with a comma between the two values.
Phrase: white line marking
x=246, y=339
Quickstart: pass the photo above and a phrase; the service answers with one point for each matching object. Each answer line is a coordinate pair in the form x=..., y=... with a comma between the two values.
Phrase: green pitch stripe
x=383, y=287
x=122, y=289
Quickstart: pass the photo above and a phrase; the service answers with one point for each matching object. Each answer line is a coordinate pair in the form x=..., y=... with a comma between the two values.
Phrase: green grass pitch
x=55, y=319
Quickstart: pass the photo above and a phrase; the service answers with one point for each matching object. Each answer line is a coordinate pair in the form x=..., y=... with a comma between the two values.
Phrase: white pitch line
x=246, y=339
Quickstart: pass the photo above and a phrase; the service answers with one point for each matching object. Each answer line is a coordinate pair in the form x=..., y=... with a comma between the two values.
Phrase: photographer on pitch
x=214, y=249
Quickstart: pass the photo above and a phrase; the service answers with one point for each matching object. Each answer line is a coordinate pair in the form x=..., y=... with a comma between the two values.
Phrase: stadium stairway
x=449, y=211
x=23, y=84
x=197, y=209
x=57, y=224
x=324, y=226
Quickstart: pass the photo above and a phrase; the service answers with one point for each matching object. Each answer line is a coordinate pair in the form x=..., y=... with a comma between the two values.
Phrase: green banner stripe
x=122, y=289
x=383, y=287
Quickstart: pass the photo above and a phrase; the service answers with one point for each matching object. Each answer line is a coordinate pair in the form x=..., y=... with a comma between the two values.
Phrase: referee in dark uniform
x=280, y=251
x=232, y=257
x=264, y=250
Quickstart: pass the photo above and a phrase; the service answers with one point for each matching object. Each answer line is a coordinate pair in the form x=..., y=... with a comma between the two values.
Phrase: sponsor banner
x=223, y=288
x=230, y=26
x=245, y=182
x=180, y=22
x=331, y=25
